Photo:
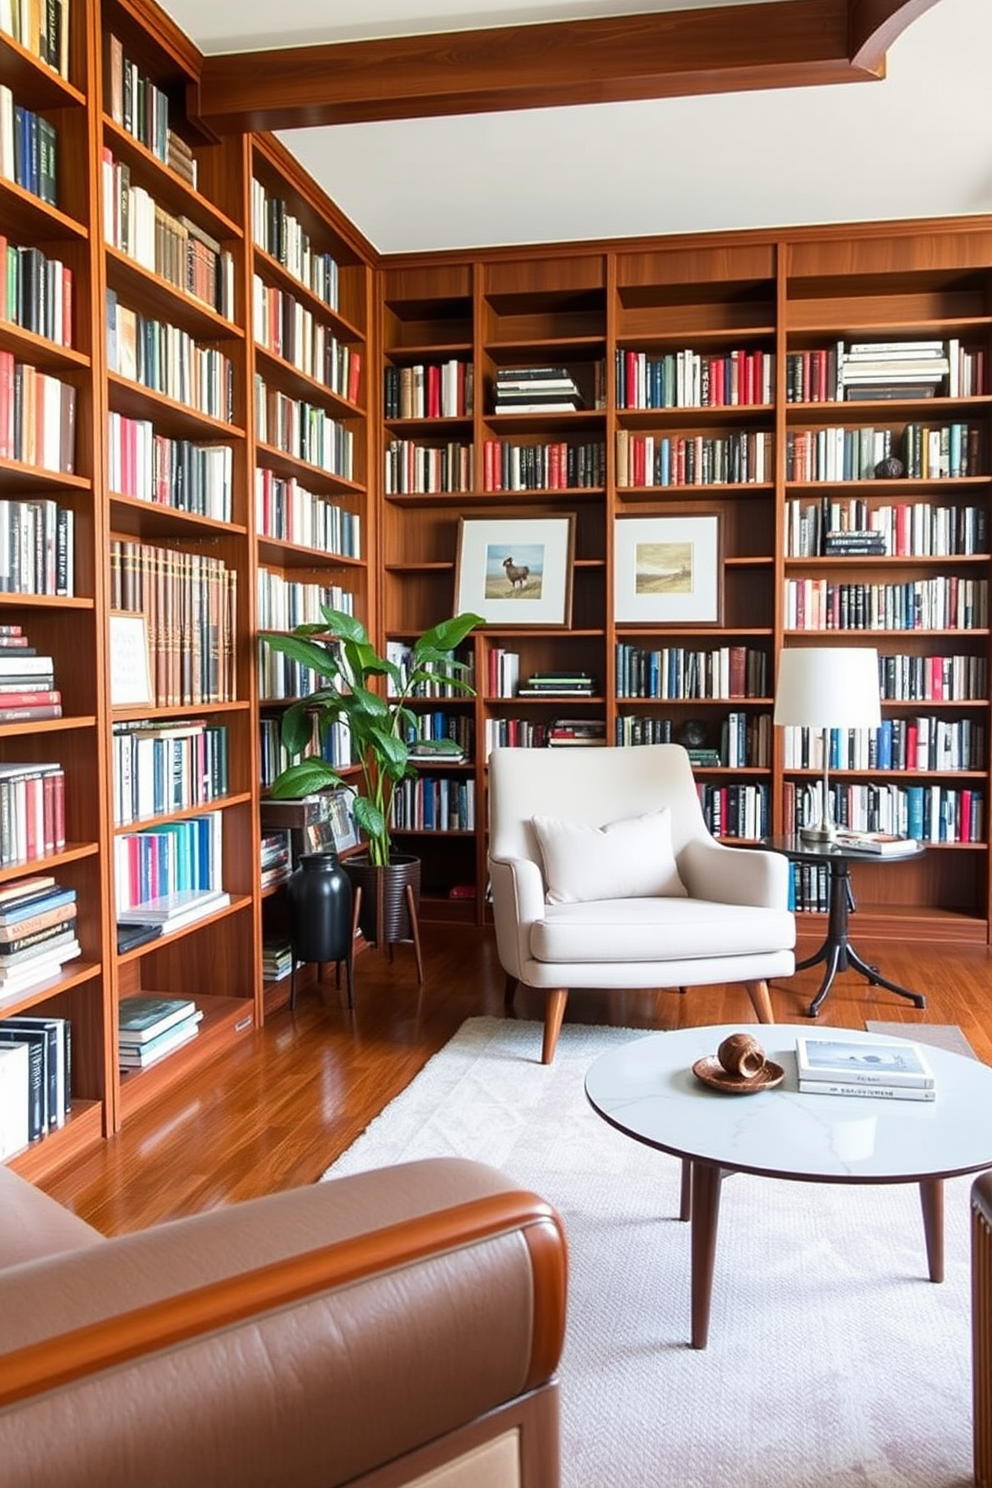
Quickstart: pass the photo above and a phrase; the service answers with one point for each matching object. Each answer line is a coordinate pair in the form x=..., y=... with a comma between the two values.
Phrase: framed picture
x=668, y=570
x=343, y=825
x=130, y=669
x=516, y=571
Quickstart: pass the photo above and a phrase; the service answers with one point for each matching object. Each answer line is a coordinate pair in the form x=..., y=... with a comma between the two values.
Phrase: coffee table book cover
x=885, y=1062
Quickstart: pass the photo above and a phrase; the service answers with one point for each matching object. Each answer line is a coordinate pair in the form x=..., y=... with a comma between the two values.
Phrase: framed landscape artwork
x=667, y=570
x=516, y=571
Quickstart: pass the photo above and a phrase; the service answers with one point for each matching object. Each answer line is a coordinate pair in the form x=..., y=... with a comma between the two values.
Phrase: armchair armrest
x=735, y=875
x=518, y=901
x=305, y=1338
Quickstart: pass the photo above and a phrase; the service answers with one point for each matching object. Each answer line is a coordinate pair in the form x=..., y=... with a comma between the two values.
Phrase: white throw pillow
x=627, y=859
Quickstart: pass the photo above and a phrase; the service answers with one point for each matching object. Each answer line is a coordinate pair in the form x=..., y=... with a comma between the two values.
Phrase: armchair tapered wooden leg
x=761, y=1001
x=553, y=1015
x=509, y=990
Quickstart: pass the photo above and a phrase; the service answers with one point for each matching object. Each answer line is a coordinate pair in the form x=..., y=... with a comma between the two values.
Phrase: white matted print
x=667, y=570
x=516, y=571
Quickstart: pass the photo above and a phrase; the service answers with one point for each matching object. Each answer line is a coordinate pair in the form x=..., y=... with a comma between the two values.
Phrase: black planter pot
x=320, y=913
x=390, y=900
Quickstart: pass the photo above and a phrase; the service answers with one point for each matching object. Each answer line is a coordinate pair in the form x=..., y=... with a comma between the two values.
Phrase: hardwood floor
x=292, y=1096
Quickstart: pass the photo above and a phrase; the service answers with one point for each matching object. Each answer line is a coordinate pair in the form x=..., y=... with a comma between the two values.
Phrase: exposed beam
x=788, y=43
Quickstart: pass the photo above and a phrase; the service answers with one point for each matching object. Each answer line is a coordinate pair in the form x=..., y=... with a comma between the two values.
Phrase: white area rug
x=832, y=1361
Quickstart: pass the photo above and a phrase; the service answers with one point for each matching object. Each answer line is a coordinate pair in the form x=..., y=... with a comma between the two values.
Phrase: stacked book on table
x=149, y=1027
x=37, y=932
x=880, y=844
x=882, y=1069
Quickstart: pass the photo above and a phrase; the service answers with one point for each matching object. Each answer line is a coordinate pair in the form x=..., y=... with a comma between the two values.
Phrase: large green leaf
x=324, y=660
x=305, y=778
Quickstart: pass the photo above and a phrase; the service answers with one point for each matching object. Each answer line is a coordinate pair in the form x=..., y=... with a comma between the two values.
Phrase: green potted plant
x=370, y=694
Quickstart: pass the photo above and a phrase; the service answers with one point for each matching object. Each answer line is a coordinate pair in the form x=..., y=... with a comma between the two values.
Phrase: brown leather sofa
x=390, y=1328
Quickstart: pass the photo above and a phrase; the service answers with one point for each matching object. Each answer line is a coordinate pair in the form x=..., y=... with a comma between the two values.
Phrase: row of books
x=429, y=726
x=282, y=236
x=928, y=813
x=32, y=811
x=575, y=733
x=36, y=292
x=174, y=247
x=164, y=765
x=675, y=672
x=934, y=679
x=28, y=149
x=281, y=676
x=692, y=379
x=150, y=1026
x=134, y=102
x=542, y=467
x=37, y=932
x=880, y=1069
x=738, y=811
x=942, y=603
x=35, y=1079
x=950, y=451
x=189, y=601
x=283, y=603
x=436, y=390
x=167, y=359
x=304, y=430
x=840, y=453
x=177, y=473
x=37, y=416
x=43, y=30
x=288, y=329
x=743, y=457
x=914, y=529
x=923, y=742
x=809, y=887
x=400, y=654
x=417, y=469
x=37, y=547
x=434, y=804
x=178, y=857
x=287, y=511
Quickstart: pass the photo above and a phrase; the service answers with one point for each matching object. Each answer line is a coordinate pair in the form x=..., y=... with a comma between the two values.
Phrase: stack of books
x=277, y=959
x=277, y=857
x=572, y=733
x=864, y=543
x=535, y=390
x=34, y=1079
x=27, y=680
x=37, y=932
x=149, y=1027
x=558, y=684
x=892, y=369
x=883, y=1069
x=882, y=844
x=173, y=911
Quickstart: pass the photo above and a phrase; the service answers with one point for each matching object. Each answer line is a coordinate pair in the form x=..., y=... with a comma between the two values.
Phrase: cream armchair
x=603, y=874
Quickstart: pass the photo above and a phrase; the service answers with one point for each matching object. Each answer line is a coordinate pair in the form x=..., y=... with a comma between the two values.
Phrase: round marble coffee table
x=647, y=1090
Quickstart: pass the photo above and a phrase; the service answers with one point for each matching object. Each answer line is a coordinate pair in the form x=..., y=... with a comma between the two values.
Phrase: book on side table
x=887, y=1069
x=882, y=844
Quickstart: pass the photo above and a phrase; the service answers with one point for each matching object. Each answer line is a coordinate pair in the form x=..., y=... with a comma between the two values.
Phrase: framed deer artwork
x=516, y=571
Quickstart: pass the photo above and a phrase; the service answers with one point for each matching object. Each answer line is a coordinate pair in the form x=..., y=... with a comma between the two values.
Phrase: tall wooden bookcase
x=337, y=433
x=751, y=310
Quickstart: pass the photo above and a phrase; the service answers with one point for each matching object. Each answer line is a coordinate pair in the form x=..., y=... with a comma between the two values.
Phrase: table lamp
x=827, y=687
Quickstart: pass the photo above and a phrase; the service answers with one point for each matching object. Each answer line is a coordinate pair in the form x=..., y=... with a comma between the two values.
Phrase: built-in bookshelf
x=314, y=529
x=830, y=406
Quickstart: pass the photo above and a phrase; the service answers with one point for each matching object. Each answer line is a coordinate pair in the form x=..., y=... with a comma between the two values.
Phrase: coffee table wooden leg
x=706, y=1182
x=685, y=1191
x=932, y=1201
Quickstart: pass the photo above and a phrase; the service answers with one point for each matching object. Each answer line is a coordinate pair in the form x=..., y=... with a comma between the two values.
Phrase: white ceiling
x=918, y=143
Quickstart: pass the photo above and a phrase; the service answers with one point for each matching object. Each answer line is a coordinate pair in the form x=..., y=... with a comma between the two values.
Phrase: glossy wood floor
x=291, y=1097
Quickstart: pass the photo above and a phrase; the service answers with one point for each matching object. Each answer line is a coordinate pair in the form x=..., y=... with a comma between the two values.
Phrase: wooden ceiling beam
x=787, y=43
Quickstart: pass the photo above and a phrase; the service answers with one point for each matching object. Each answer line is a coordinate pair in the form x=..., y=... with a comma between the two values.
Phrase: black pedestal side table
x=837, y=953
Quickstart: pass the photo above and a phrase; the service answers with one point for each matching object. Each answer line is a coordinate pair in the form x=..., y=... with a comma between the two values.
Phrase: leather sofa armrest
x=307, y=1338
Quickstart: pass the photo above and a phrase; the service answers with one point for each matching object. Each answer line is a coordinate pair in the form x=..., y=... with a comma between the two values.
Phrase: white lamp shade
x=828, y=687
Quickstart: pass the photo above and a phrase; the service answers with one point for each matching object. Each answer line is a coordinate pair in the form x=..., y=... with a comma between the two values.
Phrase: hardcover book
x=885, y=1063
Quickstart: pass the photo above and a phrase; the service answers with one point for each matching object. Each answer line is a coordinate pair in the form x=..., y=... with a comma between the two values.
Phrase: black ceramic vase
x=320, y=900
